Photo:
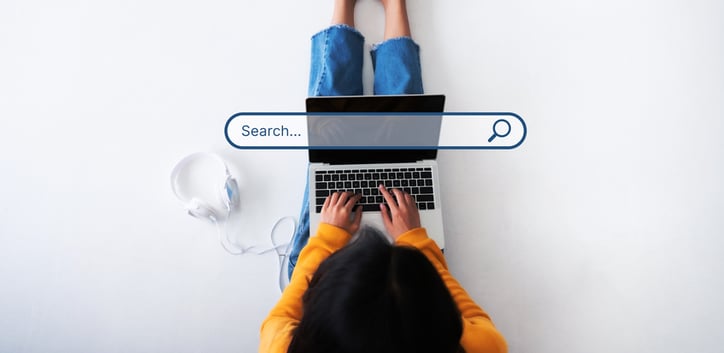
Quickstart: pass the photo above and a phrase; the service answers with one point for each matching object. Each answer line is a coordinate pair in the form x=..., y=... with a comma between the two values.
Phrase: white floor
x=601, y=233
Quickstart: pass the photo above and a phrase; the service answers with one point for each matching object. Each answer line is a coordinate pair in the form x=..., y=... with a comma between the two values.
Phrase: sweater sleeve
x=276, y=330
x=479, y=333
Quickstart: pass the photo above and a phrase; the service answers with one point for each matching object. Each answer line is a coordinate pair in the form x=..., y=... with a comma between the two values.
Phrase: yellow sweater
x=479, y=334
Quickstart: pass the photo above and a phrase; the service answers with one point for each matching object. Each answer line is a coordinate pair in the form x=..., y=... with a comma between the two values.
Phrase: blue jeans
x=336, y=70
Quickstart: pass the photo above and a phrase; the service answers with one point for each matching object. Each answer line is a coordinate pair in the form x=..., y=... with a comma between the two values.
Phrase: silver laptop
x=355, y=146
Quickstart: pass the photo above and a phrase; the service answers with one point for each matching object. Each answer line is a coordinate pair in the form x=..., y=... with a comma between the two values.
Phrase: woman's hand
x=400, y=214
x=337, y=211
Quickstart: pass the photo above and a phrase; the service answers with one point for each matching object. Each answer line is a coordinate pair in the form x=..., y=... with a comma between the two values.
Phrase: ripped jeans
x=336, y=70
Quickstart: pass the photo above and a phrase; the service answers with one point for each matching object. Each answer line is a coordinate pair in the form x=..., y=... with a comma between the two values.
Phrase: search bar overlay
x=476, y=130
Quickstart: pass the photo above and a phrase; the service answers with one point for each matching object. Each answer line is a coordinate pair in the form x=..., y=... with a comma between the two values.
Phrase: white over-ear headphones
x=228, y=192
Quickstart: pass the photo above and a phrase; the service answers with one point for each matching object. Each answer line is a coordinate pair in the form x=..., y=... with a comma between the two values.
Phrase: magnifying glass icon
x=498, y=128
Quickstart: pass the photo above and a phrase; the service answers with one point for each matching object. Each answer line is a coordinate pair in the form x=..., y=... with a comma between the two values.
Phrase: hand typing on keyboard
x=338, y=211
x=399, y=213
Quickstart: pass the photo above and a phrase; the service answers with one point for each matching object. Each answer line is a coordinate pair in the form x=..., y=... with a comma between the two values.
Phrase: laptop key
x=322, y=193
x=421, y=206
x=430, y=206
x=420, y=198
x=371, y=207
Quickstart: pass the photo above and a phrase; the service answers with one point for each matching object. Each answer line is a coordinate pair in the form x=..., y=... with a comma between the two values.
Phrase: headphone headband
x=185, y=162
x=228, y=192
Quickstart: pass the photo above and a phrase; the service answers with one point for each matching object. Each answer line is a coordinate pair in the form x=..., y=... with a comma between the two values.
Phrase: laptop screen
x=425, y=132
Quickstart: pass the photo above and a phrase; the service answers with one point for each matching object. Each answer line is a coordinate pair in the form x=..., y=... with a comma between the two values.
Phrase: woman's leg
x=396, y=60
x=343, y=13
x=396, y=21
x=336, y=70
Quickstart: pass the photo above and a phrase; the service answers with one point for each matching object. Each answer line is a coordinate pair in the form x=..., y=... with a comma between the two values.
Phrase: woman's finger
x=352, y=200
x=343, y=196
x=333, y=198
x=388, y=198
x=326, y=202
x=400, y=196
x=386, y=218
x=410, y=200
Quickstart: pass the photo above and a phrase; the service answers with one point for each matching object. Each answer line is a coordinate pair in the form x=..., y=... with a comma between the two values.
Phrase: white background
x=603, y=232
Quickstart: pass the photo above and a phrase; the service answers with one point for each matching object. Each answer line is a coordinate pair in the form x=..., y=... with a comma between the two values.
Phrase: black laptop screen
x=375, y=104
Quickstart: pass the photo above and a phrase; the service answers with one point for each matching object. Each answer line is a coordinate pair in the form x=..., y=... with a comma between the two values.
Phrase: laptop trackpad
x=374, y=219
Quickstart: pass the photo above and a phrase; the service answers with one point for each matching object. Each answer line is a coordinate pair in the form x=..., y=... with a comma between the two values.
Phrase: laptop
x=339, y=160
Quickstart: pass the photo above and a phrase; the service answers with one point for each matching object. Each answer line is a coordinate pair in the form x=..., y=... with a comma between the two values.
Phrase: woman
x=377, y=293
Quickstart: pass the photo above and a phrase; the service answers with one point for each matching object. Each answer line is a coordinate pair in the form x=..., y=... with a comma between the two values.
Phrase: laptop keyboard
x=415, y=181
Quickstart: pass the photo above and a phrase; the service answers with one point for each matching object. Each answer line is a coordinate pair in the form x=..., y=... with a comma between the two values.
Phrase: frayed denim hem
x=402, y=38
x=342, y=27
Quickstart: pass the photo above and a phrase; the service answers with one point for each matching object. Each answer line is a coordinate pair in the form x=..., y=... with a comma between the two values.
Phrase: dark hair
x=372, y=296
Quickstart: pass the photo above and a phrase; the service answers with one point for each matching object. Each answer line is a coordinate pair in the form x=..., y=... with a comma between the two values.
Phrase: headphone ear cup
x=230, y=193
x=200, y=209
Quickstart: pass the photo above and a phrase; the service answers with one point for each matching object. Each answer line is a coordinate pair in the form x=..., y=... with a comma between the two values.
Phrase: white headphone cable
x=282, y=249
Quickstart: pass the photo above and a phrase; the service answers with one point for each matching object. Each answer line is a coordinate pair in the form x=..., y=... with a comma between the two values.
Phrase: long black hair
x=373, y=296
